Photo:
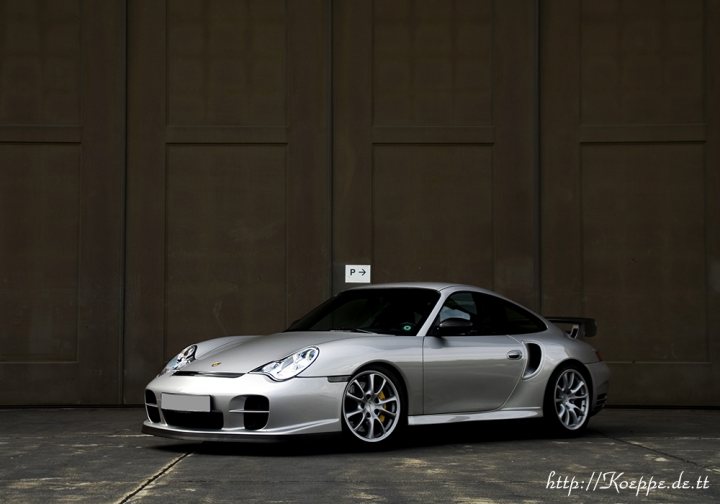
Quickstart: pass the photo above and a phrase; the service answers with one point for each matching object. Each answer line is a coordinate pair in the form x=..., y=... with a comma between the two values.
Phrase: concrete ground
x=99, y=455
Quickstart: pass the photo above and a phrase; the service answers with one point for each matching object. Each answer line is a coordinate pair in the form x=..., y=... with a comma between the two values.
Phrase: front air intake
x=151, y=407
x=257, y=412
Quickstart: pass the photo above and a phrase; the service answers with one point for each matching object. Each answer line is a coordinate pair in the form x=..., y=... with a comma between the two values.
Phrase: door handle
x=514, y=355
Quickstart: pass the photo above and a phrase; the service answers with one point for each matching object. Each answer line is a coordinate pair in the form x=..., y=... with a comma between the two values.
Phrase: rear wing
x=576, y=327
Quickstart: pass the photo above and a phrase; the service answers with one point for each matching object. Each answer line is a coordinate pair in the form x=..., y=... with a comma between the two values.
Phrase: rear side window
x=502, y=317
x=489, y=315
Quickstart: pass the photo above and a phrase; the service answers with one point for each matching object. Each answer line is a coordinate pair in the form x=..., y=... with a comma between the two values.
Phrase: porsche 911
x=373, y=361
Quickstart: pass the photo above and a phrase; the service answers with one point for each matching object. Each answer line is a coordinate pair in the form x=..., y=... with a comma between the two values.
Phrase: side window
x=489, y=315
x=497, y=316
x=460, y=305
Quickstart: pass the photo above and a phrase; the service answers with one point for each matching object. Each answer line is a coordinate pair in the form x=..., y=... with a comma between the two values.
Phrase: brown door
x=228, y=201
x=631, y=178
x=61, y=201
x=434, y=166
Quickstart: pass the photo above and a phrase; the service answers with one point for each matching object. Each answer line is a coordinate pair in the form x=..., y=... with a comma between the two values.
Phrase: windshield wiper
x=355, y=329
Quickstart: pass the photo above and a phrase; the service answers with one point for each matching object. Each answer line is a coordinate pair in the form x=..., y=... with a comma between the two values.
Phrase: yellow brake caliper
x=381, y=417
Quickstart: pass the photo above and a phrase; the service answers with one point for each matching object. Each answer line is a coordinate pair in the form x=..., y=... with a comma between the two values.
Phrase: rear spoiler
x=579, y=326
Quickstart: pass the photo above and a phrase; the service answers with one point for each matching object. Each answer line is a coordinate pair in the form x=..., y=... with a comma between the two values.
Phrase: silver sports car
x=374, y=360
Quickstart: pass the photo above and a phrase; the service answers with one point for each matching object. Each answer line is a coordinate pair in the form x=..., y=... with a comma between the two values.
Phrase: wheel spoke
x=573, y=417
x=353, y=413
x=566, y=415
x=387, y=412
x=359, y=424
x=353, y=397
x=359, y=385
x=382, y=426
x=371, y=431
x=381, y=386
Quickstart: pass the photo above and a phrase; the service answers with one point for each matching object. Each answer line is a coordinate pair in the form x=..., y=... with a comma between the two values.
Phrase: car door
x=470, y=361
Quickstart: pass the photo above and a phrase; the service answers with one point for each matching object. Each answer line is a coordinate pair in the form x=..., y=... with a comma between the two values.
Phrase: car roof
x=438, y=286
x=441, y=286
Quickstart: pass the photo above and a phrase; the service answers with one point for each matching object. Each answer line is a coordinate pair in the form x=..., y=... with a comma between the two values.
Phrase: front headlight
x=180, y=360
x=290, y=366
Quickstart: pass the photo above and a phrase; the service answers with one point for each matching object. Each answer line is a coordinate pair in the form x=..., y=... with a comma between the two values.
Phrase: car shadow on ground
x=414, y=437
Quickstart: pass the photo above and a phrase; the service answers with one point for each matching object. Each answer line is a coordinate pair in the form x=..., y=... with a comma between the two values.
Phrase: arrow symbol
x=362, y=272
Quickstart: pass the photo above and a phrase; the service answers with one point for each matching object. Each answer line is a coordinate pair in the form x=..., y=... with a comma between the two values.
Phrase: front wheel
x=567, y=400
x=372, y=409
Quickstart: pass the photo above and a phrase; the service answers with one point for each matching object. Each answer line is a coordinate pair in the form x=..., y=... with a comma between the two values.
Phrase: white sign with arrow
x=357, y=273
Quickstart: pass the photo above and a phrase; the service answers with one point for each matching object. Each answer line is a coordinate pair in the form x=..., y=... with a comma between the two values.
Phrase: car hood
x=250, y=353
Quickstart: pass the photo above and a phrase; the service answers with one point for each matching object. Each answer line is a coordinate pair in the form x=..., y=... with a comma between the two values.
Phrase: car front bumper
x=251, y=406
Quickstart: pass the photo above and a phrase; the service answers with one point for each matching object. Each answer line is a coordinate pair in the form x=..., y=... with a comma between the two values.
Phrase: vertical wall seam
x=537, y=169
x=124, y=205
x=330, y=139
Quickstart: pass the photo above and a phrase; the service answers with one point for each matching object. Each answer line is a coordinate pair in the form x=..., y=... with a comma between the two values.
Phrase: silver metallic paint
x=469, y=373
x=429, y=366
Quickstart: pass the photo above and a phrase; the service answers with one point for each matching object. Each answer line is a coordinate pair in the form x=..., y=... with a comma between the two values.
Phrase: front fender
x=403, y=353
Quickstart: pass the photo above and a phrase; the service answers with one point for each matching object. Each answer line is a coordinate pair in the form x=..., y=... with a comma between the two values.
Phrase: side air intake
x=534, y=357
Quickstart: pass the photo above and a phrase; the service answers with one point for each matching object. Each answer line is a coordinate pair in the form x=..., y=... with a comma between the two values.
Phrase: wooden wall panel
x=642, y=62
x=629, y=188
x=40, y=254
x=226, y=62
x=643, y=243
x=430, y=63
x=61, y=201
x=41, y=63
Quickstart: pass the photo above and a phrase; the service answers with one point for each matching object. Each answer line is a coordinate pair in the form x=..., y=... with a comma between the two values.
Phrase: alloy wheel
x=572, y=399
x=371, y=406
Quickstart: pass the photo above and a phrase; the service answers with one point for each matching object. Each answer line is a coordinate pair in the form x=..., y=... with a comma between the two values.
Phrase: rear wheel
x=373, y=410
x=567, y=400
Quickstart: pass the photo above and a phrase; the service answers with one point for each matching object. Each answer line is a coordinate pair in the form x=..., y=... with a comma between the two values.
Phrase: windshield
x=400, y=311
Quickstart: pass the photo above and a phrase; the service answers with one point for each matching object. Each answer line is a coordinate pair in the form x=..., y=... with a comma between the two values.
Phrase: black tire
x=373, y=407
x=568, y=400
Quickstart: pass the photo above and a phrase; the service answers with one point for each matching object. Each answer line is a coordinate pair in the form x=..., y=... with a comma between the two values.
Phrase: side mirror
x=453, y=327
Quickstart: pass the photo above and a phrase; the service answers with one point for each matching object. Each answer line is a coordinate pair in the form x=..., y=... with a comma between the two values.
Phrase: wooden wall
x=177, y=170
